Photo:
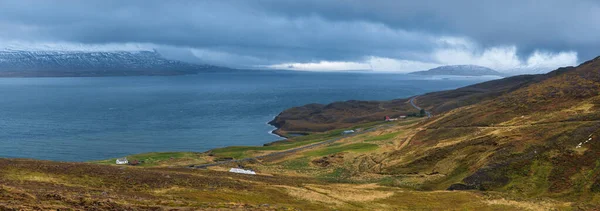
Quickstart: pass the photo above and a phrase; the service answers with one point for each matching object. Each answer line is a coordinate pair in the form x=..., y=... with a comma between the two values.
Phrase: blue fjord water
x=80, y=119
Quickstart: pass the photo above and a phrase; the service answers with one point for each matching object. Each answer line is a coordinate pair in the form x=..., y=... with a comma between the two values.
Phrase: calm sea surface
x=80, y=119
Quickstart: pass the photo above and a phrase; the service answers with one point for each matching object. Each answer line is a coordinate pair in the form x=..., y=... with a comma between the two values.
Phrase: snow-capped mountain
x=91, y=63
x=459, y=70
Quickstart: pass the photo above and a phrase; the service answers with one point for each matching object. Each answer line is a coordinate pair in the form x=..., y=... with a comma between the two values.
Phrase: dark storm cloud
x=235, y=26
x=529, y=24
x=310, y=30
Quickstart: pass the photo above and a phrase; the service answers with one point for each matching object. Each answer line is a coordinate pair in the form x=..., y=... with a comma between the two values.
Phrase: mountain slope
x=529, y=137
x=442, y=101
x=85, y=63
x=459, y=70
x=557, y=90
x=538, y=140
x=318, y=117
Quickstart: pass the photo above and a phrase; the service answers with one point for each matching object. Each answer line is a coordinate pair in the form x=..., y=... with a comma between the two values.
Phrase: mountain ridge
x=20, y=63
x=459, y=70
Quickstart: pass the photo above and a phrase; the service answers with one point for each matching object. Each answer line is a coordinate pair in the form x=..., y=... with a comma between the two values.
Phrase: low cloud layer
x=505, y=58
x=452, y=51
x=380, y=35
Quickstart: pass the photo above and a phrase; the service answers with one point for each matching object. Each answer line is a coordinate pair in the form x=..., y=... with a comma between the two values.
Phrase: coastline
x=275, y=131
x=278, y=122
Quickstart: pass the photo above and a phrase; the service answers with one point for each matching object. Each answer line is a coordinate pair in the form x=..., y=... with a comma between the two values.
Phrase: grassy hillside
x=521, y=143
x=526, y=136
x=42, y=185
x=319, y=118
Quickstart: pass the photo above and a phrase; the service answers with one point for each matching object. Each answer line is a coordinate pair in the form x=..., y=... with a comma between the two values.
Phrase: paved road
x=412, y=102
x=286, y=151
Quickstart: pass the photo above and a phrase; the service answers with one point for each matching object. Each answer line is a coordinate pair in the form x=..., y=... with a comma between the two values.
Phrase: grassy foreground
x=321, y=178
x=29, y=185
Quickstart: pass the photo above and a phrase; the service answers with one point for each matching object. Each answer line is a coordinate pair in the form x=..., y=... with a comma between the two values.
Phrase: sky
x=513, y=36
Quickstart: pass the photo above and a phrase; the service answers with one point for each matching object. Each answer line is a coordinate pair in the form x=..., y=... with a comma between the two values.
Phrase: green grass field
x=238, y=152
x=156, y=158
x=358, y=147
x=383, y=137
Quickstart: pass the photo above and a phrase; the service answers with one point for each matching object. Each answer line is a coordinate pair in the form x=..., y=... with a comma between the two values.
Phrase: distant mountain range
x=459, y=70
x=17, y=63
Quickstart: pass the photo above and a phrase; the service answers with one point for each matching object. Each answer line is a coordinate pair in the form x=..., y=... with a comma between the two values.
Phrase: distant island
x=459, y=70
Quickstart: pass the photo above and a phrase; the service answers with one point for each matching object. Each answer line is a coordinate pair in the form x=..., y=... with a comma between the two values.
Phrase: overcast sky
x=394, y=35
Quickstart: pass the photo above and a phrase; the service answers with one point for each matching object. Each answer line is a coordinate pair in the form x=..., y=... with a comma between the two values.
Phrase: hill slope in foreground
x=524, y=143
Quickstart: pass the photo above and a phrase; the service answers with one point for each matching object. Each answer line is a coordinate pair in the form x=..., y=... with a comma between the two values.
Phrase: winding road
x=412, y=103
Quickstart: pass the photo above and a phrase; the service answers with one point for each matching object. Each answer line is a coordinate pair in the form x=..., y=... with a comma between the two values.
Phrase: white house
x=347, y=132
x=121, y=161
x=241, y=171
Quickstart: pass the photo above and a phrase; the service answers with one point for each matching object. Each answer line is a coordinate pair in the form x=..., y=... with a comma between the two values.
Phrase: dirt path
x=408, y=139
x=290, y=151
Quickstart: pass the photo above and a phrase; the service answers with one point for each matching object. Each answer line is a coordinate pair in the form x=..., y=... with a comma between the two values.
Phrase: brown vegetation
x=526, y=142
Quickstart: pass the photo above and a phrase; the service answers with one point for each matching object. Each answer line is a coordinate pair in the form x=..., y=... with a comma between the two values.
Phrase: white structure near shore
x=346, y=132
x=241, y=171
x=122, y=161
